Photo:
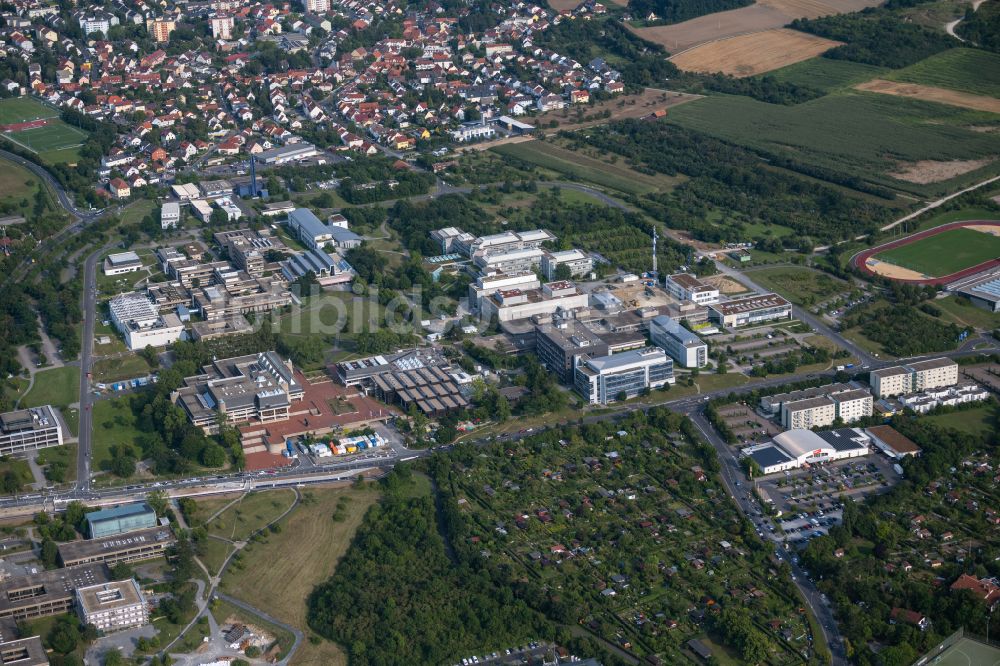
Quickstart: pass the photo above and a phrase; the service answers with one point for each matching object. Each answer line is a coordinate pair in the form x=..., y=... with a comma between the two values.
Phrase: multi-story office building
x=135, y=546
x=47, y=592
x=141, y=324
x=750, y=311
x=914, y=377
x=559, y=346
x=29, y=429
x=23, y=652
x=681, y=344
x=120, y=519
x=687, y=287
x=487, y=285
x=578, y=263
x=608, y=378
x=258, y=387
x=113, y=606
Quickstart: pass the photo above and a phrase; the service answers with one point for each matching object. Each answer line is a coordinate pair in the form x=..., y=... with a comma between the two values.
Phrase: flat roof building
x=750, y=311
x=29, y=429
x=605, y=379
x=136, y=546
x=113, y=606
x=141, y=324
x=893, y=443
x=560, y=345
x=120, y=519
x=47, y=593
x=553, y=297
x=290, y=153
x=822, y=410
x=487, y=285
x=23, y=652
x=315, y=233
x=170, y=215
x=687, y=287
x=914, y=377
x=578, y=263
x=681, y=344
x=122, y=262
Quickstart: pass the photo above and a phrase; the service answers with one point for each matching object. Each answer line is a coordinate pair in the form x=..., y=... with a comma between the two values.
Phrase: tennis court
x=967, y=652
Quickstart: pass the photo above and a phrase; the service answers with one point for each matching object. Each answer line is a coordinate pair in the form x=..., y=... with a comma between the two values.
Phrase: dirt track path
x=950, y=27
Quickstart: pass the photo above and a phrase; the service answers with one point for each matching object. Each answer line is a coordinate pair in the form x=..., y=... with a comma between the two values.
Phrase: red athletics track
x=30, y=124
x=860, y=260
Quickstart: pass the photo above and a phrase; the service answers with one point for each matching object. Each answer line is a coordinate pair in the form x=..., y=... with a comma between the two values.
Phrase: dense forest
x=734, y=180
x=982, y=27
x=675, y=11
x=876, y=37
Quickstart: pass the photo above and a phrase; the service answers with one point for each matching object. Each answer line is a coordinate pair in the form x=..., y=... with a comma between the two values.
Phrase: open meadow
x=755, y=53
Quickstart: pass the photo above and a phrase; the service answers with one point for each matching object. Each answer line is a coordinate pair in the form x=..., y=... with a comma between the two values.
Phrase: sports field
x=967, y=652
x=22, y=109
x=944, y=253
x=57, y=135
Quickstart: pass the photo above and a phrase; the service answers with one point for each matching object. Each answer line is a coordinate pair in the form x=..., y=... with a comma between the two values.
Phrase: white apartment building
x=681, y=344
x=112, y=606
x=687, y=287
x=139, y=321
x=578, y=262
x=222, y=25
x=823, y=410
x=170, y=215
x=606, y=379
x=914, y=377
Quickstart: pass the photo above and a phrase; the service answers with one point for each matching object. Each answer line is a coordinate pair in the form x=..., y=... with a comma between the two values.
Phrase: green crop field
x=826, y=74
x=968, y=70
x=944, y=253
x=22, y=109
x=57, y=135
x=854, y=133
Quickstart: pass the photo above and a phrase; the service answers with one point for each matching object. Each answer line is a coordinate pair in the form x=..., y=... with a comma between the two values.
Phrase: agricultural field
x=756, y=53
x=968, y=70
x=278, y=573
x=24, y=109
x=576, y=165
x=944, y=253
x=931, y=94
x=802, y=286
x=862, y=134
x=826, y=74
x=760, y=16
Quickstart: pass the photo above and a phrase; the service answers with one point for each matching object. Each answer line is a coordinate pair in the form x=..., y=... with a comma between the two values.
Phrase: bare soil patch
x=893, y=271
x=934, y=171
x=763, y=15
x=932, y=94
x=563, y=5
x=756, y=53
x=726, y=285
x=645, y=103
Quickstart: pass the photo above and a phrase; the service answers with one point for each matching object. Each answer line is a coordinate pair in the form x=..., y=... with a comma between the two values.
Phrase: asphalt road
x=86, y=360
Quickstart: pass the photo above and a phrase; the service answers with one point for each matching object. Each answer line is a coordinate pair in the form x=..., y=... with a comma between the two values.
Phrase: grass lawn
x=978, y=421
x=57, y=135
x=944, y=253
x=251, y=513
x=279, y=575
x=20, y=469
x=969, y=70
x=961, y=311
x=61, y=156
x=801, y=286
x=72, y=418
x=23, y=109
x=223, y=610
x=122, y=367
x=135, y=211
x=215, y=555
x=114, y=423
x=826, y=74
x=17, y=184
x=575, y=164
x=56, y=386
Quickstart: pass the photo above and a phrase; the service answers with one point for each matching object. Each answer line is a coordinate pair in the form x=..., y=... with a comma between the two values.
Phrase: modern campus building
x=487, y=285
x=795, y=448
x=983, y=292
x=559, y=347
x=823, y=410
x=122, y=262
x=144, y=544
x=687, y=287
x=606, y=379
x=914, y=377
x=316, y=234
x=681, y=344
x=29, y=429
x=120, y=520
x=47, y=592
x=258, y=387
x=23, y=652
x=141, y=324
x=512, y=304
x=512, y=261
x=750, y=311
x=578, y=262
x=113, y=606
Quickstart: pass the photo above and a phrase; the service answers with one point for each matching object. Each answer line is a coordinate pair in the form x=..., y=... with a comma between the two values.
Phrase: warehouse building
x=143, y=544
x=681, y=344
x=914, y=377
x=285, y=154
x=795, y=448
x=23, y=652
x=891, y=442
x=120, y=519
x=687, y=287
x=750, y=311
x=29, y=429
x=113, y=606
x=141, y=324
x=47, y=592
x=605, y=379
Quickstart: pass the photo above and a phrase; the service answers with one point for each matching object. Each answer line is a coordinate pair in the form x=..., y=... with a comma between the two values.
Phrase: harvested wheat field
x=932, y=94
x=752, y=54
x=935, y=171
x=763, y=15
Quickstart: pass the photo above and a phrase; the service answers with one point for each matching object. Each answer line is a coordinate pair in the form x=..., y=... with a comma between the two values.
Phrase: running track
x=28, y=124
x=860, y=260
